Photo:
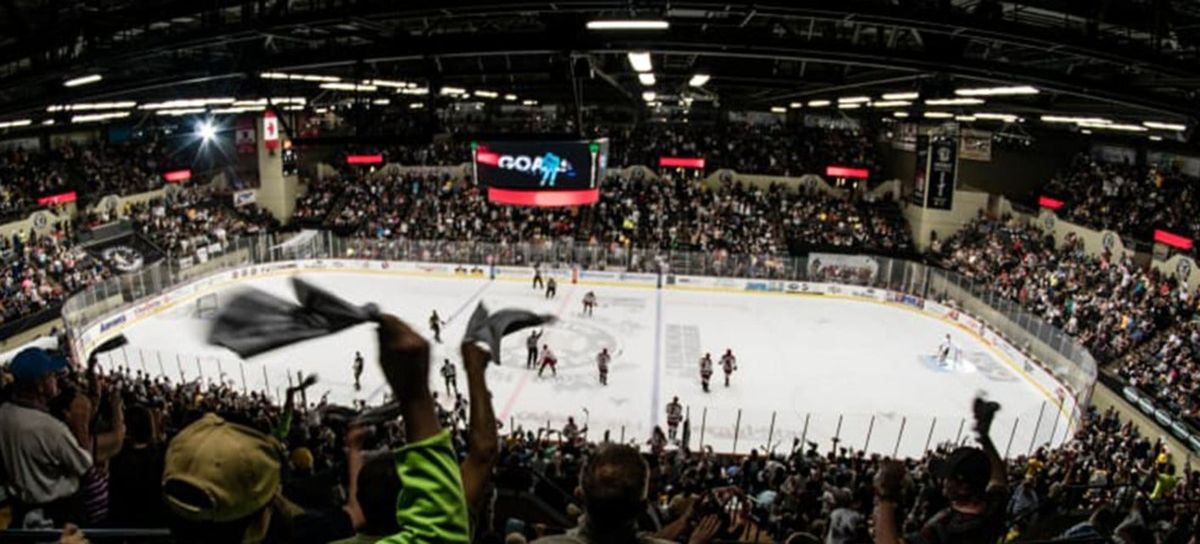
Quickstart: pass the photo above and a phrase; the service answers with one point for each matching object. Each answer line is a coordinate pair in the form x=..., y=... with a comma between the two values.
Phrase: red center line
x=512, y=399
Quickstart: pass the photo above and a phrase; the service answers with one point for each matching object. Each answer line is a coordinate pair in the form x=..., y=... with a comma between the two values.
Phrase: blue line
x=468, y=302
x=654, y=391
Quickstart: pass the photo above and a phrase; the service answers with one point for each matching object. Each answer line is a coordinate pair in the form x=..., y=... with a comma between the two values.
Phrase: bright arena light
x=206, y=130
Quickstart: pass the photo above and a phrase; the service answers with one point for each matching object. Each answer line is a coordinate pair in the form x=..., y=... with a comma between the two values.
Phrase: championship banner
x=943, y=173
x=921, y=170
x=838, y=268
x=975, y=145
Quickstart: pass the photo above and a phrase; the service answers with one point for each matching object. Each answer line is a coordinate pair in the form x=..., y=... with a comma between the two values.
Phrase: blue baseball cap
x=33, y=364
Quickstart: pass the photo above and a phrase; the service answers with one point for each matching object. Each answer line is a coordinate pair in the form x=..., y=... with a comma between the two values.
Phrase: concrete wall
x=967, y=205
x=40, y=221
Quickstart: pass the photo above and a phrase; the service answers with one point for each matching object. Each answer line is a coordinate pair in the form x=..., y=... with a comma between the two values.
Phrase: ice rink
x=810, y=368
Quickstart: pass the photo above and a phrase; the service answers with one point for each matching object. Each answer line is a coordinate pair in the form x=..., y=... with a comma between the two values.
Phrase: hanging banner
x=921, y=170
x=243, y=198
x=975, y=145
x=244, y=136
x=943, y=173
x=1114, y=154
x=270, y=130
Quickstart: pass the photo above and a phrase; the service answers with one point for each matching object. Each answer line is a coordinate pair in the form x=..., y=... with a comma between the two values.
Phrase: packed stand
x=188, y=223
x=41, y=271
x=136, y=451
x=26, y=175
x=1128, y=199
x=1168, y=369
x=659, y=215
x=773, y=149
x=315, y=204
x=121, y=169
x=1109, y=304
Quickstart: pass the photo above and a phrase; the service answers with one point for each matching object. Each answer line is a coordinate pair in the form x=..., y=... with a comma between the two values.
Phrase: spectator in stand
x=136, y=472
x=1110, y=304
x=378, y=487
x=42, y=459
x=975, y=483
x=40, y=272
x=211, y=499
x=614, y=485
x=1168, y=368
x=1130, y=199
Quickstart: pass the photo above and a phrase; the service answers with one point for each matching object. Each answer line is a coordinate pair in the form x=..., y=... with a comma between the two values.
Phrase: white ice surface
x=807, y=363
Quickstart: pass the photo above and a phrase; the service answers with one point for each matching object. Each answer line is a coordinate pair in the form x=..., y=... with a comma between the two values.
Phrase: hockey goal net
x=207, y=306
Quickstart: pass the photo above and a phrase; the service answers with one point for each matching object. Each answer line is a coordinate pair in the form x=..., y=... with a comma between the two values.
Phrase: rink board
x=771, y=410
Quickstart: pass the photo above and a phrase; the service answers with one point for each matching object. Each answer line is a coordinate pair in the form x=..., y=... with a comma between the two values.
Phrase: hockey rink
x=809, y=368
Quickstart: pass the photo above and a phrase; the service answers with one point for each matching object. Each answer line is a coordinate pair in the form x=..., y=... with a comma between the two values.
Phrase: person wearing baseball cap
x=974, y=480
x=41, y=459
x=220, y=481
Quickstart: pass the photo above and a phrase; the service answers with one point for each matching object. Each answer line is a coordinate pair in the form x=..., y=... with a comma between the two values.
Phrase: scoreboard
x=544, y=173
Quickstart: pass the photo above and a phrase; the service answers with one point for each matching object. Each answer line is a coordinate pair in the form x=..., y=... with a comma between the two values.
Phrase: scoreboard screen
x=545, y=173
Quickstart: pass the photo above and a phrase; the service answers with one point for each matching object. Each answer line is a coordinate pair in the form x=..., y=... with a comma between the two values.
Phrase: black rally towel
x=488, y=329
x=255, y=321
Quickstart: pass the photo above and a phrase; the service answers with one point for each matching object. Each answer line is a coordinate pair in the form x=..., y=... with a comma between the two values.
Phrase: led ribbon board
x=546, y=173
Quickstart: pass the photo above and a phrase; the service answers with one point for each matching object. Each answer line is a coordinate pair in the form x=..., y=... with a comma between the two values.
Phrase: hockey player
x=944, y=351
x=589, y=303
x=548, y=360
x=728, y=364
x=674, y=417
x=436, y=323
x=537, y=276
x=358, y=370
x=551, y=288
x=602, y=360
x=450, y=376
x=531, y=344
x=706, y=370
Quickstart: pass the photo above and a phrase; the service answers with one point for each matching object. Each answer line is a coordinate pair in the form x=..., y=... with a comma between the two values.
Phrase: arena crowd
x=111, y=447
x=87, y=445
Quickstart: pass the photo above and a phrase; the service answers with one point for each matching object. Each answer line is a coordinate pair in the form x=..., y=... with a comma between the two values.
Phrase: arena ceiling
x=1136, y=59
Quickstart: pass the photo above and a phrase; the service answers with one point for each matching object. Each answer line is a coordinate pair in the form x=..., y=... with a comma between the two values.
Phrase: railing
x=1060, y=355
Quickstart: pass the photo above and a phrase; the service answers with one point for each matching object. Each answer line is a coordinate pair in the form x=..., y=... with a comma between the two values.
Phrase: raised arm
x=887, y=497
x=483, y=444
x=431, y=507
x=354, y=462
x=985, y=412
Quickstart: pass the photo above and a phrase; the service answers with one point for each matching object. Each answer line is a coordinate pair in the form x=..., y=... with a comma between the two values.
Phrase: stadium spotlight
x=699, y=80
x=206, y=130
x=84, y=80
x=628, y=25
x=647, y=79
x=640, y=61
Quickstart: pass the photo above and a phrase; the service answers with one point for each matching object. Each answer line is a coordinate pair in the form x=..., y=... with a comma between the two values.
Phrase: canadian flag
x=270, y=130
